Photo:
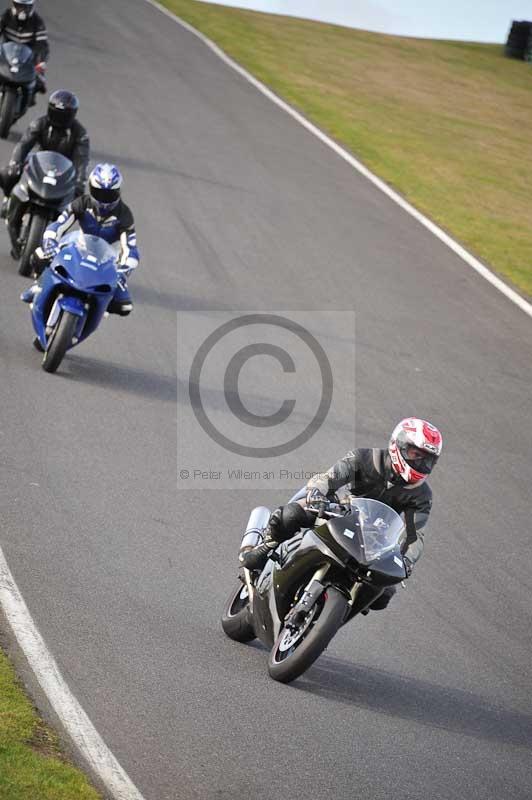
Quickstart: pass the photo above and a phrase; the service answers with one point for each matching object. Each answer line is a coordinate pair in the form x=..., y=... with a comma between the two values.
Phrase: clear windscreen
x=52, y=162
x=90, y=246
x=13, y=50
x=382, y=529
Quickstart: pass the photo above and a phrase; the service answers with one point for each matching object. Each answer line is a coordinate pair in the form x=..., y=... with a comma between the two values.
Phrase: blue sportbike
x=72, y=295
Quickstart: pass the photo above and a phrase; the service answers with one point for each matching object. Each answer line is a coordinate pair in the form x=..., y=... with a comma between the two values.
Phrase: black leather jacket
x=31, y=32
x=71, y=142
x=368, y=473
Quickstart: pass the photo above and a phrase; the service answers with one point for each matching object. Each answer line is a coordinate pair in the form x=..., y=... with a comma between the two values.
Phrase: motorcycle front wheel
x=296, y=650
x=60, y=341
x=235, y=618
x=7, y=112
x=35, y=231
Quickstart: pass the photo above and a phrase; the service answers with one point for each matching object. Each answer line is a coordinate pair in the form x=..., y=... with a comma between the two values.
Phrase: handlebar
x=329, y=508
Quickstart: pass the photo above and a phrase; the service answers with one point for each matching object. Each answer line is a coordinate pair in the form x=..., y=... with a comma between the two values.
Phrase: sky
x=470, y=20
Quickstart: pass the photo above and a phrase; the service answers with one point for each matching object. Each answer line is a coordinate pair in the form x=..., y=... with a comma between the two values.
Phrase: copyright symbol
x=184, y=474
x=232, y=374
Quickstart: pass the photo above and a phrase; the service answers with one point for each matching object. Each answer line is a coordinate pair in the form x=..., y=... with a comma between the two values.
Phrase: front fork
x=73, y=305
x=313, y=590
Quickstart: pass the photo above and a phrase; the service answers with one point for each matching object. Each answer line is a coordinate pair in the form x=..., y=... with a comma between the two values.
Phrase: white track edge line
x=74, y=719
x=457, y=248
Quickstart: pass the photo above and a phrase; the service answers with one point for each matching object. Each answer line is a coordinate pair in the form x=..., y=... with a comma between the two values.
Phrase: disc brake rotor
x=290, y=638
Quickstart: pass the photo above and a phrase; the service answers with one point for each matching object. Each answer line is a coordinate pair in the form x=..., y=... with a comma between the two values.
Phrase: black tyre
x=7, y=113
x=236, y=618
x=60, y=341
x=34, y=236
x=294, y=652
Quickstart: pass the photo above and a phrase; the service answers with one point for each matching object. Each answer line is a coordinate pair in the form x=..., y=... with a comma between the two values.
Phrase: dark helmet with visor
x=62, y=108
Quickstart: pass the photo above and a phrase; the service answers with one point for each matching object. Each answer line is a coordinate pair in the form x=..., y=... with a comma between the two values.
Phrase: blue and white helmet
x=105, y=181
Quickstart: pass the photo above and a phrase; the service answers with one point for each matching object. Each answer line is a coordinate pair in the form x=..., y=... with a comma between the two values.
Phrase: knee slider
x=288, y=520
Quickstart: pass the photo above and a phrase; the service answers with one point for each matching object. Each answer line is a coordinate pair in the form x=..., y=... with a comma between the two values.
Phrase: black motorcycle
x=17, y=74
x=316, y=581
x=47, y=185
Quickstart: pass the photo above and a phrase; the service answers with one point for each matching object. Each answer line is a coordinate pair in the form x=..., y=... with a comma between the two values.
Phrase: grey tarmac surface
x=238, y=207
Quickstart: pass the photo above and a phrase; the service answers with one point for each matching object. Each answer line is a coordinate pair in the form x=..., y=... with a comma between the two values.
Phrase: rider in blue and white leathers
x=101, y=213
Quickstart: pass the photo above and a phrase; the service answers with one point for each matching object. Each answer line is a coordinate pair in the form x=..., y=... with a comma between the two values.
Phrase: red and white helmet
x=415, y=446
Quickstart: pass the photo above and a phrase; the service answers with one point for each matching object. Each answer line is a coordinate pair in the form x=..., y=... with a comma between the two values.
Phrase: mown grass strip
x=32, y=765
x=447, y=124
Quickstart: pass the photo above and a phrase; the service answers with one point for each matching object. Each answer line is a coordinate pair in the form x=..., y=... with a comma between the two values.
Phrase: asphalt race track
x=238, y=207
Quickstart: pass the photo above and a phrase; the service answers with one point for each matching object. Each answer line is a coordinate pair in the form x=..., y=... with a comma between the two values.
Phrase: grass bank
x=32, y=765
x=448, y=124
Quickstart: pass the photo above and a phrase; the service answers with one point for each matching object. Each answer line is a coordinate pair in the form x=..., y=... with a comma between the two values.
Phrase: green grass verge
x=448, y=124
x=32, y=766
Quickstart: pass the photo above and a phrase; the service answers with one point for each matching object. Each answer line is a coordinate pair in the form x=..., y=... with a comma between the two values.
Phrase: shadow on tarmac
x=150, y=167
x=416, y=700
x=114, y=376
x=178, y=302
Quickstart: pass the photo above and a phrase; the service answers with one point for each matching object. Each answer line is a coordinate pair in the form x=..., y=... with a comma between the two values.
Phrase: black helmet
x=62, y=108
x=22, y=9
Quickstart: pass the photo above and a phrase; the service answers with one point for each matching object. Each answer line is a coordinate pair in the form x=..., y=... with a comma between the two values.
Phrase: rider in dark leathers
x=21, y=24
x=394, y=476
x=58, y=130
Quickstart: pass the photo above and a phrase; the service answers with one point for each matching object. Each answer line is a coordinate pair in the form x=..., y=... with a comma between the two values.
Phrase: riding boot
x=256, y=558
x=284, y=522
x=121, y=302
x=28, y=295
x=40, y=86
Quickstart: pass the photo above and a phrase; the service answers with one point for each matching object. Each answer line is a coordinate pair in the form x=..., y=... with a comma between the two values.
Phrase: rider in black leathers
x=21, y=24
x=394, y=476
x=57, y=130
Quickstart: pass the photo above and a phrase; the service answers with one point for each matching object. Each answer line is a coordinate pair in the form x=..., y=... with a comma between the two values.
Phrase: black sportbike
x=316, y=581
x=17, y=83
x=47, y=185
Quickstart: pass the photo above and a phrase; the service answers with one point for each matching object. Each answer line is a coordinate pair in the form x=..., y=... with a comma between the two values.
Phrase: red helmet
x=415, y=446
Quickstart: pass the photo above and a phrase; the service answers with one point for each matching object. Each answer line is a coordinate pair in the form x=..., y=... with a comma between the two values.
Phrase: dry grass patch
x=446, y=123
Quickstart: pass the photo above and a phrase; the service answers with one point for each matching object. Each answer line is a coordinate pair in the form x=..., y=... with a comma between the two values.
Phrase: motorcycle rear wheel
x=61, y=340
x=235, y=618
x=294, y=652
x=7, y=112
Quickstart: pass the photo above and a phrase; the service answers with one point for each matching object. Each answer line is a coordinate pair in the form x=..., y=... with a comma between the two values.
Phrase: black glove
x=409, y=566
x=315, y=498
